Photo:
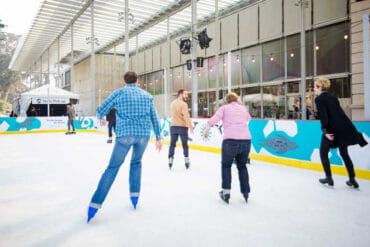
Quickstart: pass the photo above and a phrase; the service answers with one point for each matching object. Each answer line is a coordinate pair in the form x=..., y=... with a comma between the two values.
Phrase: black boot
x=327, y=180
x=352, y=183
x=224, y=197
x=245, y=195
x=170, y=162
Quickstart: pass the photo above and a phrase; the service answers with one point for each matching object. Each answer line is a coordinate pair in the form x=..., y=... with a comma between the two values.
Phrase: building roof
x=147, y=21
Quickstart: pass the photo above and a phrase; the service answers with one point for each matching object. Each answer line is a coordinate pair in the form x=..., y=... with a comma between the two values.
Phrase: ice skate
x=352, y=183
x=246, y=195
x=187, y=162
x=91, y=213
x=224, y=196
x=327, y=180
x=170, y=162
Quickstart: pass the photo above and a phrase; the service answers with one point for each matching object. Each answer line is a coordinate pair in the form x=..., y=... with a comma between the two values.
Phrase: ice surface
x=47, y=180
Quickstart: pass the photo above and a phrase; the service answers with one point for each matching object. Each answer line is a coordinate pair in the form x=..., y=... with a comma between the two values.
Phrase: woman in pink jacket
x=235, y=145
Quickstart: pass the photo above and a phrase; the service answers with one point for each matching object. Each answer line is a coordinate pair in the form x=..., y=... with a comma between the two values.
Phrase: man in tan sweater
x=180, y=123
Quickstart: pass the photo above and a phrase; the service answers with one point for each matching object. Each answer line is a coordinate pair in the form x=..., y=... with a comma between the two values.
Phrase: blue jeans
x=70, y=123
x=120, y=150
x=177, y=131
x=238, y=150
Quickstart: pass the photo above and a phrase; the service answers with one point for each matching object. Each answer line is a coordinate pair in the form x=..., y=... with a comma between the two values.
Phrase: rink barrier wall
x=293, y=143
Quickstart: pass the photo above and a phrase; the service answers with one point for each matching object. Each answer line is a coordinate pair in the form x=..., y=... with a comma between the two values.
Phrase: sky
x=47, y=180
x=18, y=15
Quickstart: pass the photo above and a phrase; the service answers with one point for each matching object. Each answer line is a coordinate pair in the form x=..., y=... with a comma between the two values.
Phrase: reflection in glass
x=177, y=78
x=202, y=73
x=332, y=49
x=251, y=65
x=273, y=60
x=212, y=72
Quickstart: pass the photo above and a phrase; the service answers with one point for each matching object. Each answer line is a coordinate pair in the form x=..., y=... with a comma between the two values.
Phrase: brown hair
x=231, y=97
x=181, y=91
x=130, y=77
x=323, y=83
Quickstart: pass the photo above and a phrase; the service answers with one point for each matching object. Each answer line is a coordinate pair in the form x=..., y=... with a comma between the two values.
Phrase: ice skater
x=337, y=131
x=71, y=117
x=111, y=118
x=236, y=143
x=180, y=125
x=135, y=115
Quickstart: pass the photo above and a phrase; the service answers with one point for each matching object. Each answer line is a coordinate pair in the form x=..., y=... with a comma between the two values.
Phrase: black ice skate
x=352, y=183
x=246, y=195
x=170, y=162
x=187, y=162
x=327, y=180
x=225, y=197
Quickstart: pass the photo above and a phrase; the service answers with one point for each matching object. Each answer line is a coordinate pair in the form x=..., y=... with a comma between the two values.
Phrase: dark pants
x=238, y=150
x=324, y=156
x=177, y=131
x=111, y=125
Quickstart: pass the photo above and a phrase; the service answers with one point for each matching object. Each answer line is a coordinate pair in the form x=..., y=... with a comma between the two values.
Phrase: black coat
x=111, y=116
x=335, y=121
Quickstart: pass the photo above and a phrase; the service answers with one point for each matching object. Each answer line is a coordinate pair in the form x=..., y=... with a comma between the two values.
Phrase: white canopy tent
x=44, y=95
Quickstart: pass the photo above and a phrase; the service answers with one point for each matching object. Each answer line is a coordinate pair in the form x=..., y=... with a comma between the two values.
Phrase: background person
x=337, y=131
x=180, y=124
x=71, y=114
x=111, y=118
x=236, y=143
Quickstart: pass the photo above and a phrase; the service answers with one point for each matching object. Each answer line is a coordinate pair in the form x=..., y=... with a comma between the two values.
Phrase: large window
x=273, y=101
x=340, y=87
x=188, y=84
x=212, y=72
x=252, y=99
x=177, y=78
x=235, y=68
x=332, y=49
x=202, y=73
x=293, y=54
x=273, y=60
x=251, y=65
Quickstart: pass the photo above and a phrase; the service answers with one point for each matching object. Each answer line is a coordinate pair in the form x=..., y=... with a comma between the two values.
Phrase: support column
x=194, y=77
x=127, y=31
x=92, y=61
x=217, y=40
x=304, y=5
x=229, y=71
x=167, y=71
x=72, y=56
x=366, y=44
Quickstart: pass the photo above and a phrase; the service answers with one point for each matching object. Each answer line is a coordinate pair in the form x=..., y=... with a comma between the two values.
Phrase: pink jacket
x=234, y=117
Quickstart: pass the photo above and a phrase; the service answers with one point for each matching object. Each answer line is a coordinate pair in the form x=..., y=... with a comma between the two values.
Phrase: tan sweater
x=180, y=114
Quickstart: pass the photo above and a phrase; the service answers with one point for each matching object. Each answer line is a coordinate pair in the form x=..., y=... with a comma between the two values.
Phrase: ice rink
x=47, y=180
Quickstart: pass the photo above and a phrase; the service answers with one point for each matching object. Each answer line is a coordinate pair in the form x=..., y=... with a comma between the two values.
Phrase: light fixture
x=317, y=47
x=271, y=57
x=253, y=59
x=237, y=58
x=204, y=39
x=292, y=54
x=185, y=45
x=345, y=36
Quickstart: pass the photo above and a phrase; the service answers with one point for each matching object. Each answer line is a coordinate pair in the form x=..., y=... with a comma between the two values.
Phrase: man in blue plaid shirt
x=135, y=115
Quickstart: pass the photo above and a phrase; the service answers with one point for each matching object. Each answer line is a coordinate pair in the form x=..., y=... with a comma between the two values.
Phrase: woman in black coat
x=338, y=131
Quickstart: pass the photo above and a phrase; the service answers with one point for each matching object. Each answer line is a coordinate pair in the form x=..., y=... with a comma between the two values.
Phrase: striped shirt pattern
x=135, y=112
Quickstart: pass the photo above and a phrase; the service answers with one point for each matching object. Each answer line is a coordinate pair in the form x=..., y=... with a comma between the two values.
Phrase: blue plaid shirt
x=135, y=112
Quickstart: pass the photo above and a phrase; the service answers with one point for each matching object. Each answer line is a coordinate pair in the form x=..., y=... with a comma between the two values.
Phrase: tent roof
x=50, y=91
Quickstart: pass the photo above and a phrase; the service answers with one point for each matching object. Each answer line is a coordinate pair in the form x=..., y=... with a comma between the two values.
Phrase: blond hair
x=231, y=97
x=323, y=83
